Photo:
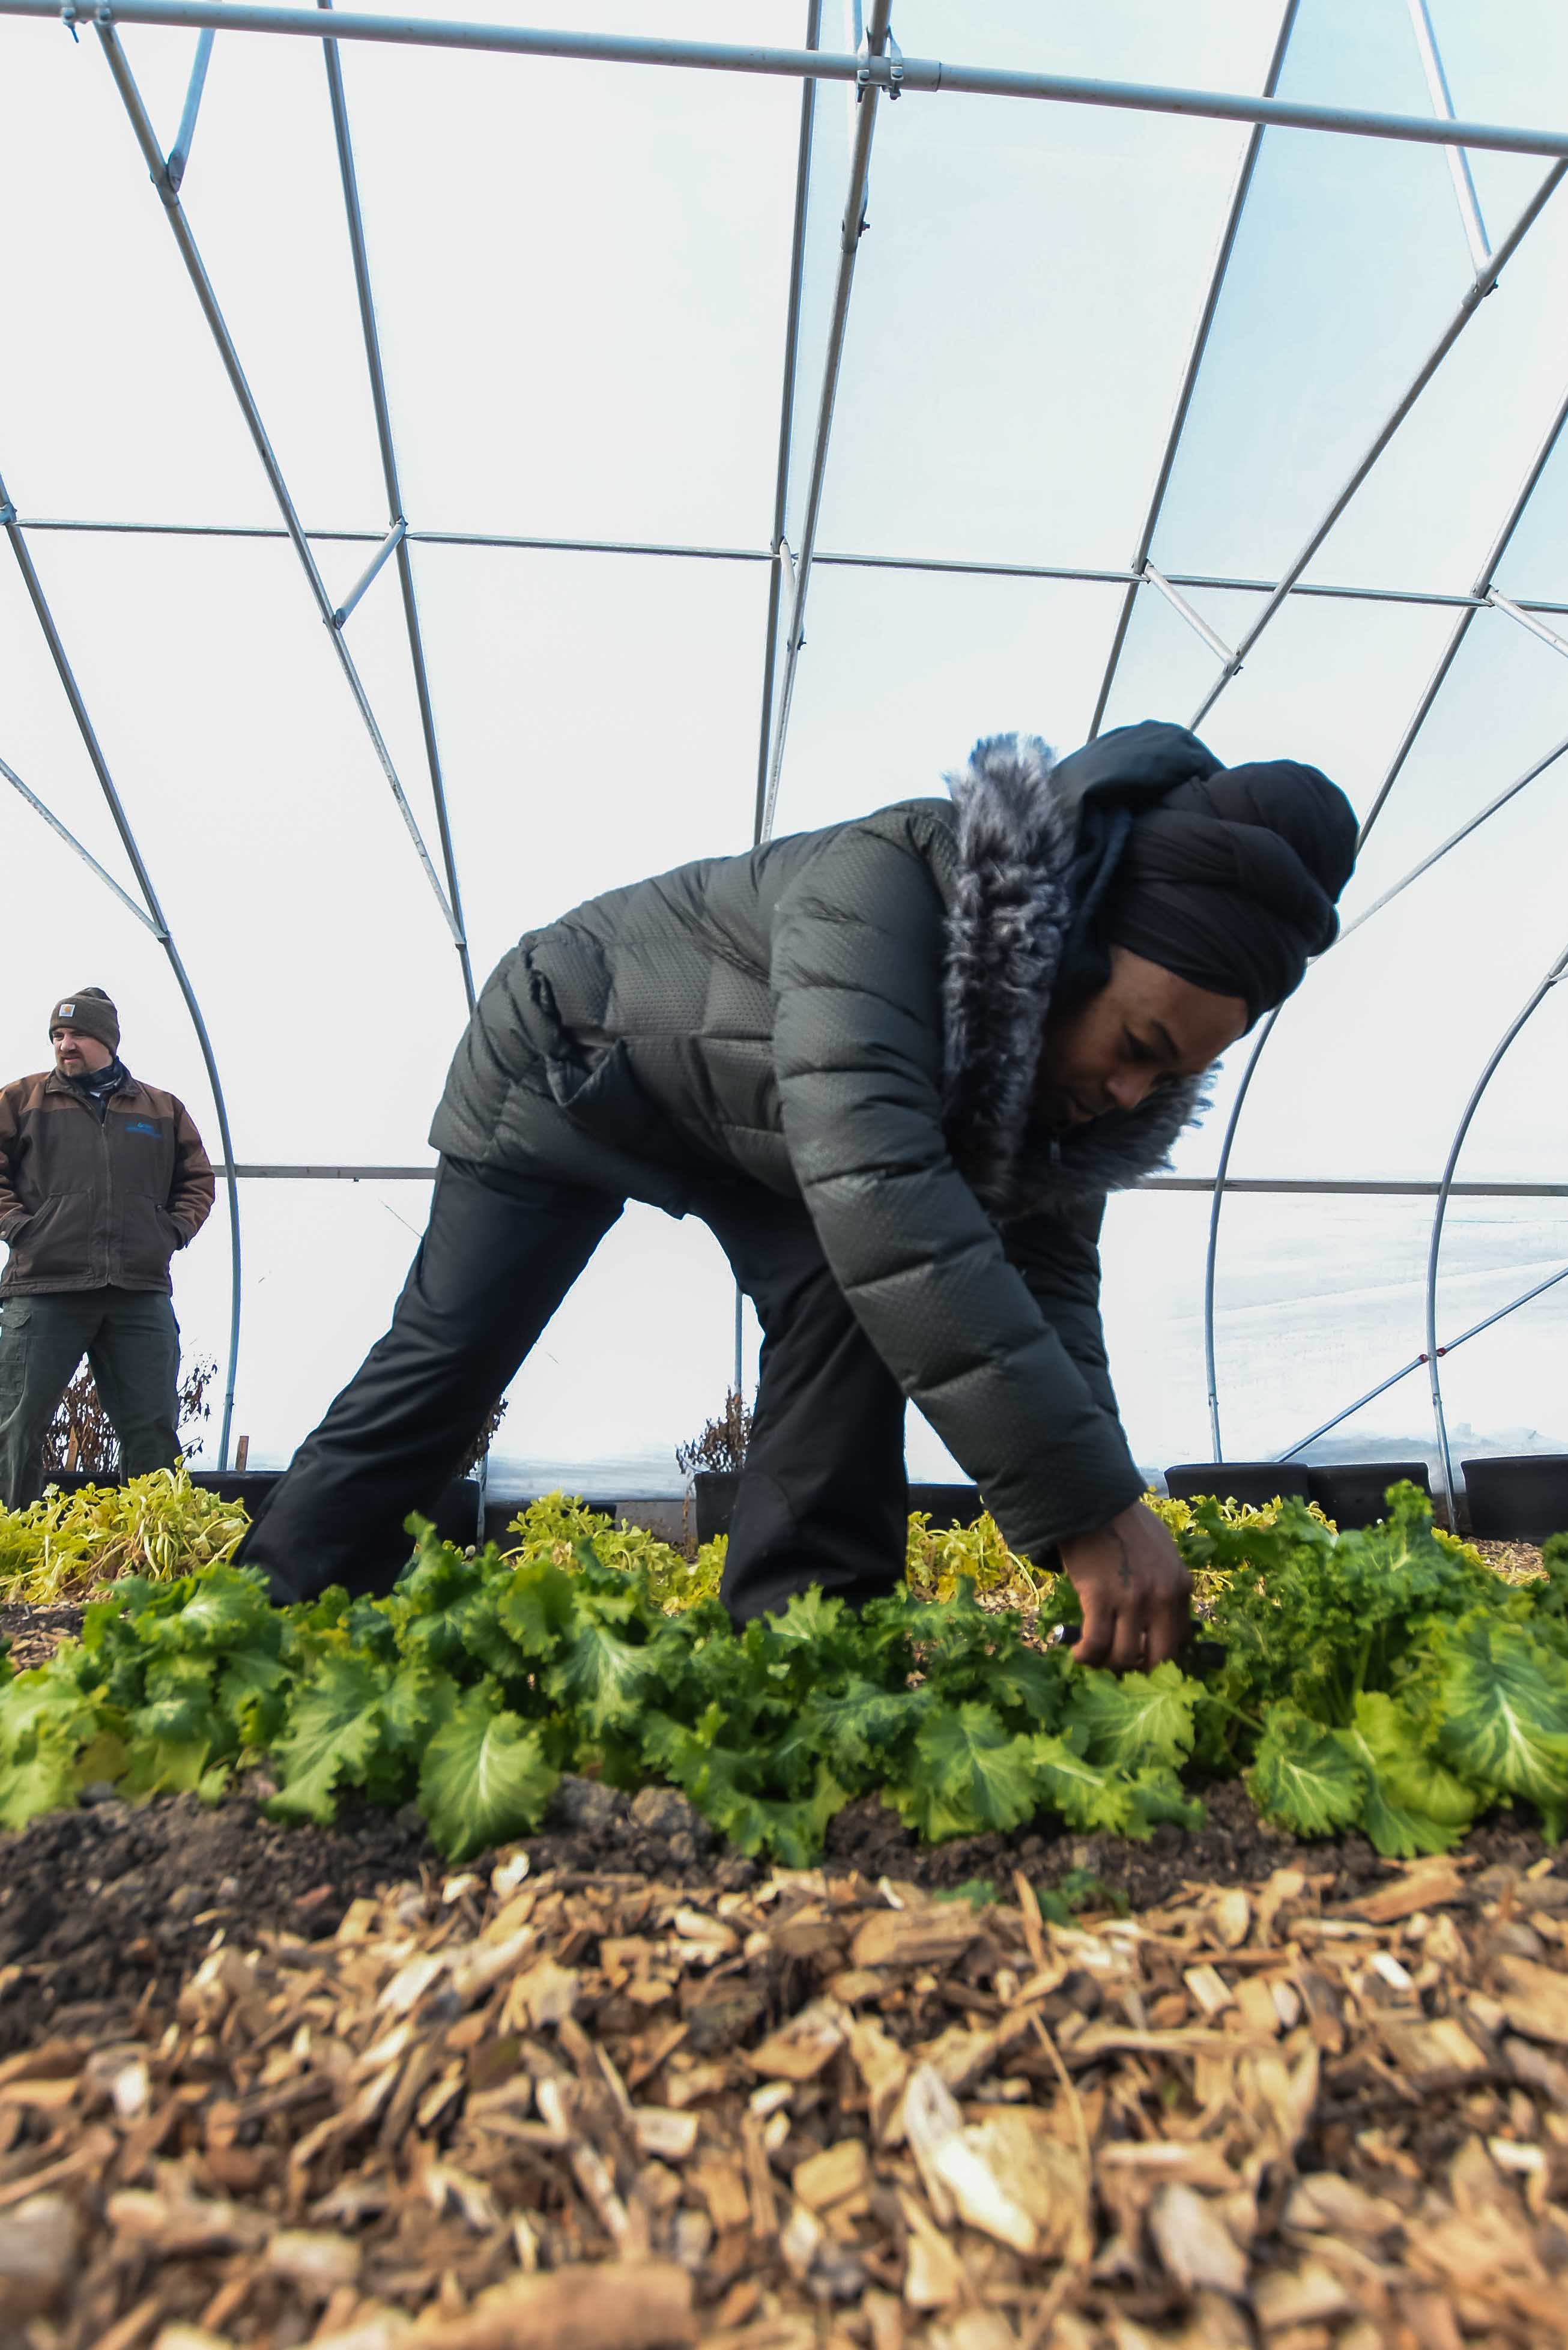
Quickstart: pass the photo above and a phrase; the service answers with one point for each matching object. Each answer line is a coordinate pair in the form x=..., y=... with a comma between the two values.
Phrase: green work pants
x=132, y=1341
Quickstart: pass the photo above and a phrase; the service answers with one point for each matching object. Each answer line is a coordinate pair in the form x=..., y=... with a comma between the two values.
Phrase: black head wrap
x=1226, y=877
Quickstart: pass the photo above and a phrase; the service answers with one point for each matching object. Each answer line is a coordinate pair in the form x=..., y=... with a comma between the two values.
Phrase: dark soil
x=111, y=1905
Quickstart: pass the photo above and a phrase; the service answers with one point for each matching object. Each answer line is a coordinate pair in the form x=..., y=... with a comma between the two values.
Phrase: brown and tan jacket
x=86, y=1203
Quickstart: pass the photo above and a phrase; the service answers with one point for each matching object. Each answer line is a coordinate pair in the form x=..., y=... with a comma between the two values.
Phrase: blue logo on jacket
x=140, y=1126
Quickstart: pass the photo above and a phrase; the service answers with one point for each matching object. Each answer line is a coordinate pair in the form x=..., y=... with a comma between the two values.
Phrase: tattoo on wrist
x=1124, y=1572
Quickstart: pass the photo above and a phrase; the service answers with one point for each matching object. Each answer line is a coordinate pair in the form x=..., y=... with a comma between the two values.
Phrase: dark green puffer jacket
x=852, y=1017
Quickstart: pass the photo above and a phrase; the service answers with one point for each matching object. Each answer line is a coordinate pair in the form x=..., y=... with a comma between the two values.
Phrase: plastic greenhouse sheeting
x=581, y=275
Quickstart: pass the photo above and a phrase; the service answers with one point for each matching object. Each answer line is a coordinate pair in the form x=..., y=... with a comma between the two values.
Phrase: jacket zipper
x=108, y=1193
x=102, y=1241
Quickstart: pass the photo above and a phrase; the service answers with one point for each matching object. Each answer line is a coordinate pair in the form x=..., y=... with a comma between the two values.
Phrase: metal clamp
x=7, y=514
x=891, y=54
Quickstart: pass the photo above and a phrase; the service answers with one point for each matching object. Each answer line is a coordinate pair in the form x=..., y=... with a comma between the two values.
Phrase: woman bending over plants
x=895, y=1065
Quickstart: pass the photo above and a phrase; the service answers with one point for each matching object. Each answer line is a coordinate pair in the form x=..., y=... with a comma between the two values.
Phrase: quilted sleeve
x=1059, y=1258
x=857, y=1038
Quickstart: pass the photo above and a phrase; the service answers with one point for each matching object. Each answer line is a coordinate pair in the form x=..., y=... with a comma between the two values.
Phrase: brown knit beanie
x=90, y=1011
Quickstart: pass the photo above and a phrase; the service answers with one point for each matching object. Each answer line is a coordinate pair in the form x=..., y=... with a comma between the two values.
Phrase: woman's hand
x=1134, y=1590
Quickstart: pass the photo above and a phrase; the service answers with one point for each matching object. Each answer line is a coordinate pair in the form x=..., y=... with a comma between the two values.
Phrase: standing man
x=895, y=1065
x=101, y=1179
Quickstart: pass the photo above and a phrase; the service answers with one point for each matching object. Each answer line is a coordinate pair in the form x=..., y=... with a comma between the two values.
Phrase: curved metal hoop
x=157, y=925
x=1558, y=970
x=1433, y=686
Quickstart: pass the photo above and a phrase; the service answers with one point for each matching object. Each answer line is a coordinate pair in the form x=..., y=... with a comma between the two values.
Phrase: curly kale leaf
x=966, y=1774
x=1412, y=1803
x=1303, y=1778
x=485, y=1779
x=335, y=1730
x=46, y=1722
x=738, y=1790
x=1137, y=1719
x=861, y=1729
x=604, y=1679
x=1088, y=1796
x=1498, y=1712
x=1159, y=1800
x=1313, y=1619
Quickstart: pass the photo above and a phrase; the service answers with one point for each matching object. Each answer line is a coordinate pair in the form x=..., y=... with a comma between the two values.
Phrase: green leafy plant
x=1382, y=1680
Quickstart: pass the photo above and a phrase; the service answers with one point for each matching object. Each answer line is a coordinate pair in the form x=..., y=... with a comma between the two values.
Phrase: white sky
x=580, y=276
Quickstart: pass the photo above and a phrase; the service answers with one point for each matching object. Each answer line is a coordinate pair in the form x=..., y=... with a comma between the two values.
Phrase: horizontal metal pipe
x=522, y=542
x=760, y=556
x=1371, y=1188
x=927, y=75
x=1088, y=575
x=288, y=1174
x=1326, y=1187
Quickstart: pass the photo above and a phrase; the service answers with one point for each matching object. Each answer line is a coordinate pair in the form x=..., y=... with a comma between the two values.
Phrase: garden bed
x=517, y=2105
x=979, y=2080
x=106, y=1908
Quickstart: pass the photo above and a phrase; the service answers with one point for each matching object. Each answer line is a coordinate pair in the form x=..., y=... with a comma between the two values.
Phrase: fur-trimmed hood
x=1007, y=927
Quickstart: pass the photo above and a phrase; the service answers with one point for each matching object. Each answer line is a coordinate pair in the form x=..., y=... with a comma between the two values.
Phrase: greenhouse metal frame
x=878, y=72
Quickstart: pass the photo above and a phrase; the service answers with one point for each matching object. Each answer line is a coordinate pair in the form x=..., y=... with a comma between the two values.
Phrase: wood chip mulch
x=514, y=2111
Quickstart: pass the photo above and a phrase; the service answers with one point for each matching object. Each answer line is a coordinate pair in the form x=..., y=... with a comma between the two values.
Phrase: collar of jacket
x=124, y=1084
x=1007, y=922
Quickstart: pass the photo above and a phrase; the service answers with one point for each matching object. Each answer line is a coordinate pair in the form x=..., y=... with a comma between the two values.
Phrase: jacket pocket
x=56, y=1242
x=148, y=1239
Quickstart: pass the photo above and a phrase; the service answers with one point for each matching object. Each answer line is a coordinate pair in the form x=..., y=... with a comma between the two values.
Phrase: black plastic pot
x=1354, y=1493
x=73, y=1480
x=1251, y=1482
x=946, y=1505
x=456, y=1514
x=254, y=1487
x=658, y=1513
x=713, y=1503
x=1521, y=1497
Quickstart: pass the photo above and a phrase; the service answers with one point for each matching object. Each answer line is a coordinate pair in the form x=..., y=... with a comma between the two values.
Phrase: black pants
x=132, y=1341
x=823, y=1497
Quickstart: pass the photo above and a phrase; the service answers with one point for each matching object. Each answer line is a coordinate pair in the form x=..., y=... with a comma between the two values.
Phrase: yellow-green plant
x=552, y=1527
x=160, y=1525
x=937, y=1556
x=1178, y=1516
